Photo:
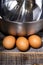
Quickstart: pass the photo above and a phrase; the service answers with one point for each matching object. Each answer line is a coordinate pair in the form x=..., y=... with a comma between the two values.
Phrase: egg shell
x=35, y=41
x=22, y=43
x=9, y=42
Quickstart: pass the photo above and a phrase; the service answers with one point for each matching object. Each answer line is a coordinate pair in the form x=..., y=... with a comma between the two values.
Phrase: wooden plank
x=29, y=58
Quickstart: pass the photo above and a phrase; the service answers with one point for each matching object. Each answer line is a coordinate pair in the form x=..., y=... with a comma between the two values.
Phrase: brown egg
x=35, y=41
x=9, y=42
x=22, y=43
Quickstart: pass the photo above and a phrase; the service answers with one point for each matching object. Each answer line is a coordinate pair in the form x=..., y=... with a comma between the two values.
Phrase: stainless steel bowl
x=20, y=19
x=20, y=28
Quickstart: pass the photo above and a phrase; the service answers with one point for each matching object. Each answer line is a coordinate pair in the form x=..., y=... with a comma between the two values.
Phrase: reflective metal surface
x=10, y=8
x=21, y=17
x=19, y=28
x=21, y=10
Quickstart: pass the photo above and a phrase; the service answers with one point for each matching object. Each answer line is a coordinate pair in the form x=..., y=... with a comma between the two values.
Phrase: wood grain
x=29, y=58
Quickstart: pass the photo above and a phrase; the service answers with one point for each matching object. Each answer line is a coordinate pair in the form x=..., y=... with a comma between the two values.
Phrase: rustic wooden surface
x=21, y=58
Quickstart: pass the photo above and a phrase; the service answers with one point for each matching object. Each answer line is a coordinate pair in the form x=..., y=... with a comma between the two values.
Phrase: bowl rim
x=18, y=22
